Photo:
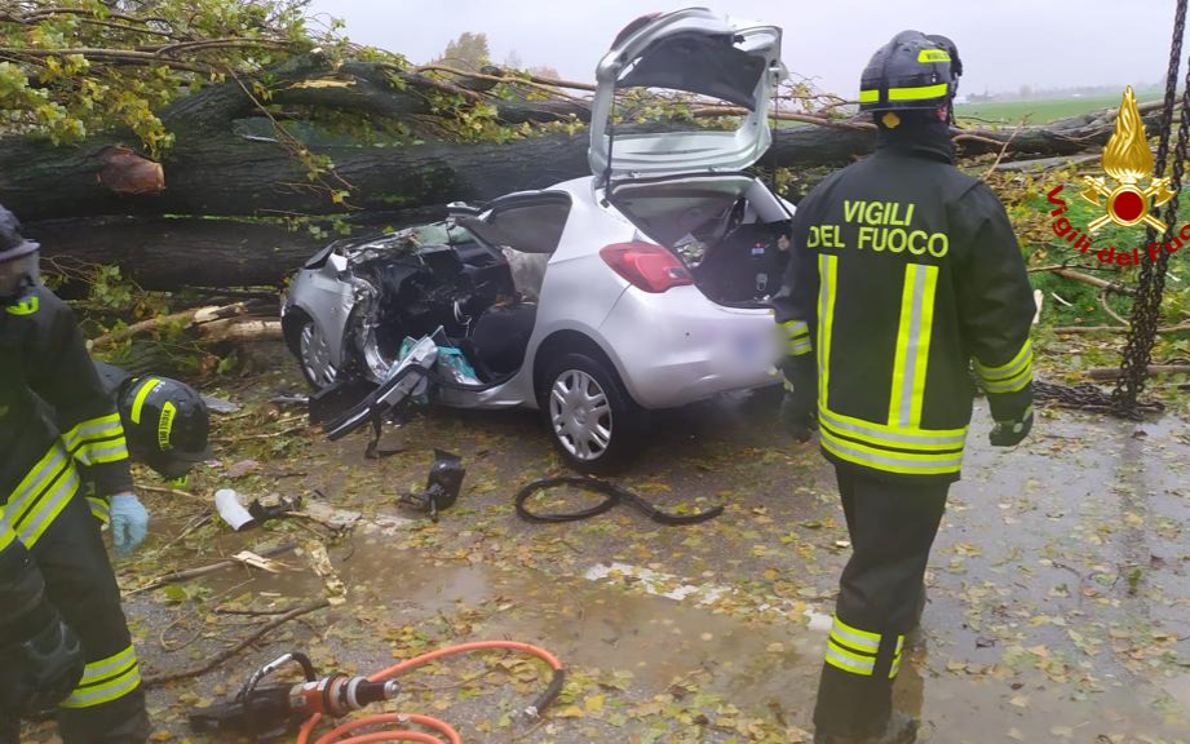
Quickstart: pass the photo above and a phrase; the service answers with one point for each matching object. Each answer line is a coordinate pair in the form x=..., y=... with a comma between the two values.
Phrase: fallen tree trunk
x=169, y=253
x=226, y=174
x=212, y=169
x=100, y=202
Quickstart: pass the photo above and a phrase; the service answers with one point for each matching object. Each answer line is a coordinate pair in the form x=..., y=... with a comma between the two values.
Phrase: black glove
x=41, y=660
x=799, y=407
x=1011, y=433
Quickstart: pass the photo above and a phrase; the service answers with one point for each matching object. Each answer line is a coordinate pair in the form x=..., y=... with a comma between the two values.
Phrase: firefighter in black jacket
x=904, y=273
x=63, y=636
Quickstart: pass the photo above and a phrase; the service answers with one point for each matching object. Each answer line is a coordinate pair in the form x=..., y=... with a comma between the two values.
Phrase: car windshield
x=440, y=233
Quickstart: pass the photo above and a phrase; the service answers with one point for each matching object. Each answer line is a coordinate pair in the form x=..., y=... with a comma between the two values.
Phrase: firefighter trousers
x=107, y=706
x=892, y=527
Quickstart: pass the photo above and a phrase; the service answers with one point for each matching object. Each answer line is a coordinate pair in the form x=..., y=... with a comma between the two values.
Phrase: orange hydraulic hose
x=417, y=736
x=340, y=734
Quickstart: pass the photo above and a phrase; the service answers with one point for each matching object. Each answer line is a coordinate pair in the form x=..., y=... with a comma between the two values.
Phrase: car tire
x=591, y=419
x=313, y=355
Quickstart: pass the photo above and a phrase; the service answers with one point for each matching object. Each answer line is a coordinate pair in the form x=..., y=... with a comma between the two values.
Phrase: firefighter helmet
x=913, y=71
x=166, y=423
x=18, y=259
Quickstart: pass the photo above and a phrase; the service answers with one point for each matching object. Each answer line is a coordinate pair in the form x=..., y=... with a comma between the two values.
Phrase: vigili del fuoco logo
x=1128, y=162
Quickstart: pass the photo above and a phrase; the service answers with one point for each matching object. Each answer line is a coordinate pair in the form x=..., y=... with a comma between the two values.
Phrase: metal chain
x=1085, y=396
x=1146, y=307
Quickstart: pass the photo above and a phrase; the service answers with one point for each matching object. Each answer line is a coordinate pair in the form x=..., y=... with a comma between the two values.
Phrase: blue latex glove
x=130, y=522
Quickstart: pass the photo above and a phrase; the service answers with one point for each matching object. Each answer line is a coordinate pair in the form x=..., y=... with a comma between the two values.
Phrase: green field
x=1041, y=110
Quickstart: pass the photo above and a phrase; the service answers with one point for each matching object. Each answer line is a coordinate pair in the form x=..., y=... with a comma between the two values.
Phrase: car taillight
x=646, y=266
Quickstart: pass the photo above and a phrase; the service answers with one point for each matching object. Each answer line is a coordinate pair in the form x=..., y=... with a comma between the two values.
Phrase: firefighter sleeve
x=63, y=375
x=996, y=304
x=794, y=310
x=794, y=303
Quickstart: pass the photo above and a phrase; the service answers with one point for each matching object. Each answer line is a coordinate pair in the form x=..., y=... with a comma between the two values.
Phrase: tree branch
x=160, y=679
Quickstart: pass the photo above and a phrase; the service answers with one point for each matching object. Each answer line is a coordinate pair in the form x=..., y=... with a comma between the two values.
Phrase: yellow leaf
x=570, y=711
x=594, y=704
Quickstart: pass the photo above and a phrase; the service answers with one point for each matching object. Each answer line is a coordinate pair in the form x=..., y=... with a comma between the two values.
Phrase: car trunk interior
x=726, y=228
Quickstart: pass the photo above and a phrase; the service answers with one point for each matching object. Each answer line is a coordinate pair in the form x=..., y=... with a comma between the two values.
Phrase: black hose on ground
x=614, y=495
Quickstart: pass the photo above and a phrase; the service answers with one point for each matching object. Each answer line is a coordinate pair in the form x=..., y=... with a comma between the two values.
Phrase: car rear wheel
x=592, y=420
x=314, y=355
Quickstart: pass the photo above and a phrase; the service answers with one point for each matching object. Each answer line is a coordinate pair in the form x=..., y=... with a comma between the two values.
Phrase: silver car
x=642, y=286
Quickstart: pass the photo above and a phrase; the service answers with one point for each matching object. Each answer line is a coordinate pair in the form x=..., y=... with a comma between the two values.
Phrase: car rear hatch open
x=685, y=188
x=691, y=51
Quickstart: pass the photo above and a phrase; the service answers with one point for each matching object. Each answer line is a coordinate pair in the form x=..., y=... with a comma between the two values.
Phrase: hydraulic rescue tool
x=268, y=712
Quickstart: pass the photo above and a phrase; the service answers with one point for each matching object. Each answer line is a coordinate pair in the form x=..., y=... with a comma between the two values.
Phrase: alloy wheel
x=581, y=414
x=316, y=356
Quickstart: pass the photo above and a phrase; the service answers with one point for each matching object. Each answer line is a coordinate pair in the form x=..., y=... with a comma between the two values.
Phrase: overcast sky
x=1004, y=44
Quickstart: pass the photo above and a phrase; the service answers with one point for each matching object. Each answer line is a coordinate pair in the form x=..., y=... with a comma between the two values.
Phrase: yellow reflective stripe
x=106, y=680
x=101, y=669
x=100, y=427
x=95, y=453
x=25, y=307
x=913, y=346
x=1010, y=386
x=828, y=271
x=883, y=435
x=97, y=440
x=29, y=509
x=1018, y=362
x=896, y=662
x=107, y=692
x=1009, y=377
x=7, y=536
x=46, y=509
x=797, y=347
x=906, y=463
x=100, y=509
x=795, y=328
x=861, y=640
x=139, y=401
x=35, y=481
x=165, y=425
x=896, y=397
x=918, y=93
x=841, y=658
x=933, y=55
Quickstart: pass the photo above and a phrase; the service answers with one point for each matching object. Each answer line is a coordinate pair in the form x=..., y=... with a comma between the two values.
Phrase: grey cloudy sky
x=1004, y=44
